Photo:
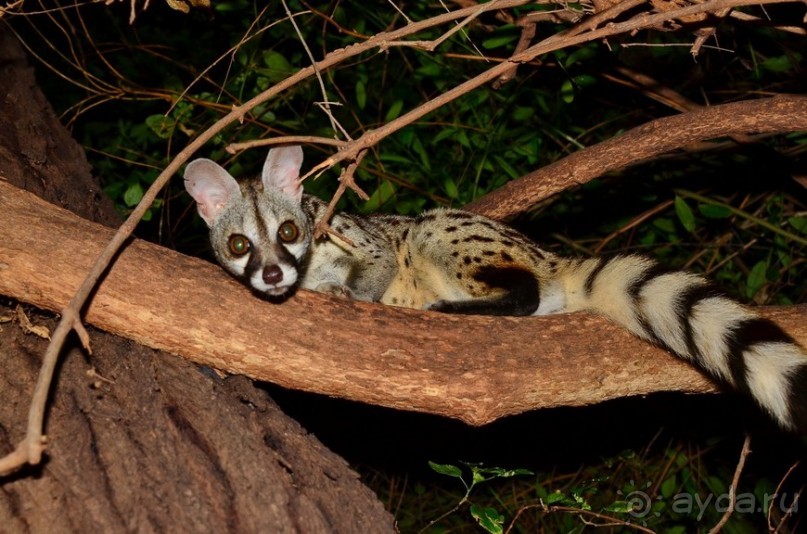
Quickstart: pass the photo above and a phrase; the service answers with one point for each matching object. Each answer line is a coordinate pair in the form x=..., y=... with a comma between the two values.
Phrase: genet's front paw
x=339, y=290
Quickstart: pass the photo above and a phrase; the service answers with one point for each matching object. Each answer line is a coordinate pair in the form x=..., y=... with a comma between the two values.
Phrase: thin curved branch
x=779, y=114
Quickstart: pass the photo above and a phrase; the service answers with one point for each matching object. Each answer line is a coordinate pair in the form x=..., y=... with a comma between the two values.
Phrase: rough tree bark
x=142, y=440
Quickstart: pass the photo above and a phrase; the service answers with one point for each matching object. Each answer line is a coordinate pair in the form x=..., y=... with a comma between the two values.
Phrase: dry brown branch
x=780, y=114
x=346, y=182
x=660, y=93
x=234, y=148
x=326, y=103
x=790, y=508
x=746, y=17
x=528, y=30
x=608, y=521
x=603, y=16
x=746, y=450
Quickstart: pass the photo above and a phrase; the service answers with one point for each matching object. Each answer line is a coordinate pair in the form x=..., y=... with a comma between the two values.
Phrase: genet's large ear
x=282, y=171
x=210, y=186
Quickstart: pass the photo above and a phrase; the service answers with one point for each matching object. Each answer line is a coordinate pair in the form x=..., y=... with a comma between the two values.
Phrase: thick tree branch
x=779, y=114
x=476, y=369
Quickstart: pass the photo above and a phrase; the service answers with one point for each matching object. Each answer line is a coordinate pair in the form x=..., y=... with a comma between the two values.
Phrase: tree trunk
x=141, y=440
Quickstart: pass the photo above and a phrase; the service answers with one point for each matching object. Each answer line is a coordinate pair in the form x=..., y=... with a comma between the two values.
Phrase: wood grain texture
x=475, y=369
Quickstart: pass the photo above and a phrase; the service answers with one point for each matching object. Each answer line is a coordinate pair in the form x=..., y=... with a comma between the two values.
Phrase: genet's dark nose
x=272, y=274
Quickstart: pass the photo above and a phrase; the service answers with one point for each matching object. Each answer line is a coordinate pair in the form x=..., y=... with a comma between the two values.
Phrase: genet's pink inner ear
x=210, y=186
x=281, y=171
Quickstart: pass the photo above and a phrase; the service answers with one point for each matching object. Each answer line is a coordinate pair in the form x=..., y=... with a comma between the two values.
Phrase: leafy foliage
x=488, y=517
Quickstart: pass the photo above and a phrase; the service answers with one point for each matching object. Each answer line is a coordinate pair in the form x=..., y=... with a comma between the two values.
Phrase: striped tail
x=682, y=312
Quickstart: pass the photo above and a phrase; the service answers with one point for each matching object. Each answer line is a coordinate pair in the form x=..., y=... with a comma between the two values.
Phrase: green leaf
x=443, y=134
x=446, y=469
x=380, y=196
x=799, y=223
x=522, y=113
x=361, y=94
x=554, y=497
x=394, y=111
x=278, y=67
x=714, y=211
x=417, y=146
x=581, y=54
x=451, y=188
x=497, y=42
x=430, y=70
x=488, y=518
x=395, y=158
x=665, y=225
x=567, y=91
x=669, y=486
x=619, y=507
x=462, y=138
x=161, y=125
x=585, y=80
x=685, y=214
x=516, y=473
x=779, y=63
x=506, y=167
x=133, y=195
x=757, y=278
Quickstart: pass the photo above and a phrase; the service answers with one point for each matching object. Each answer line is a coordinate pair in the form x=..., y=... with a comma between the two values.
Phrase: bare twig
x=234, y=148
x=703, y=34
x=775, y=495
x=431, y=46
x=746, y=17
x=595, y=20
x=611, y=521
x=733, y=488
x=326, y=103
x=231, y=52
x=345, y=181
x=794, y=507
x=636, y=221
x=527, y=35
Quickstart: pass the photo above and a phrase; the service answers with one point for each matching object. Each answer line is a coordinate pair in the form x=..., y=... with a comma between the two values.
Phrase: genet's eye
x=288, y=232
x=238, y=244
